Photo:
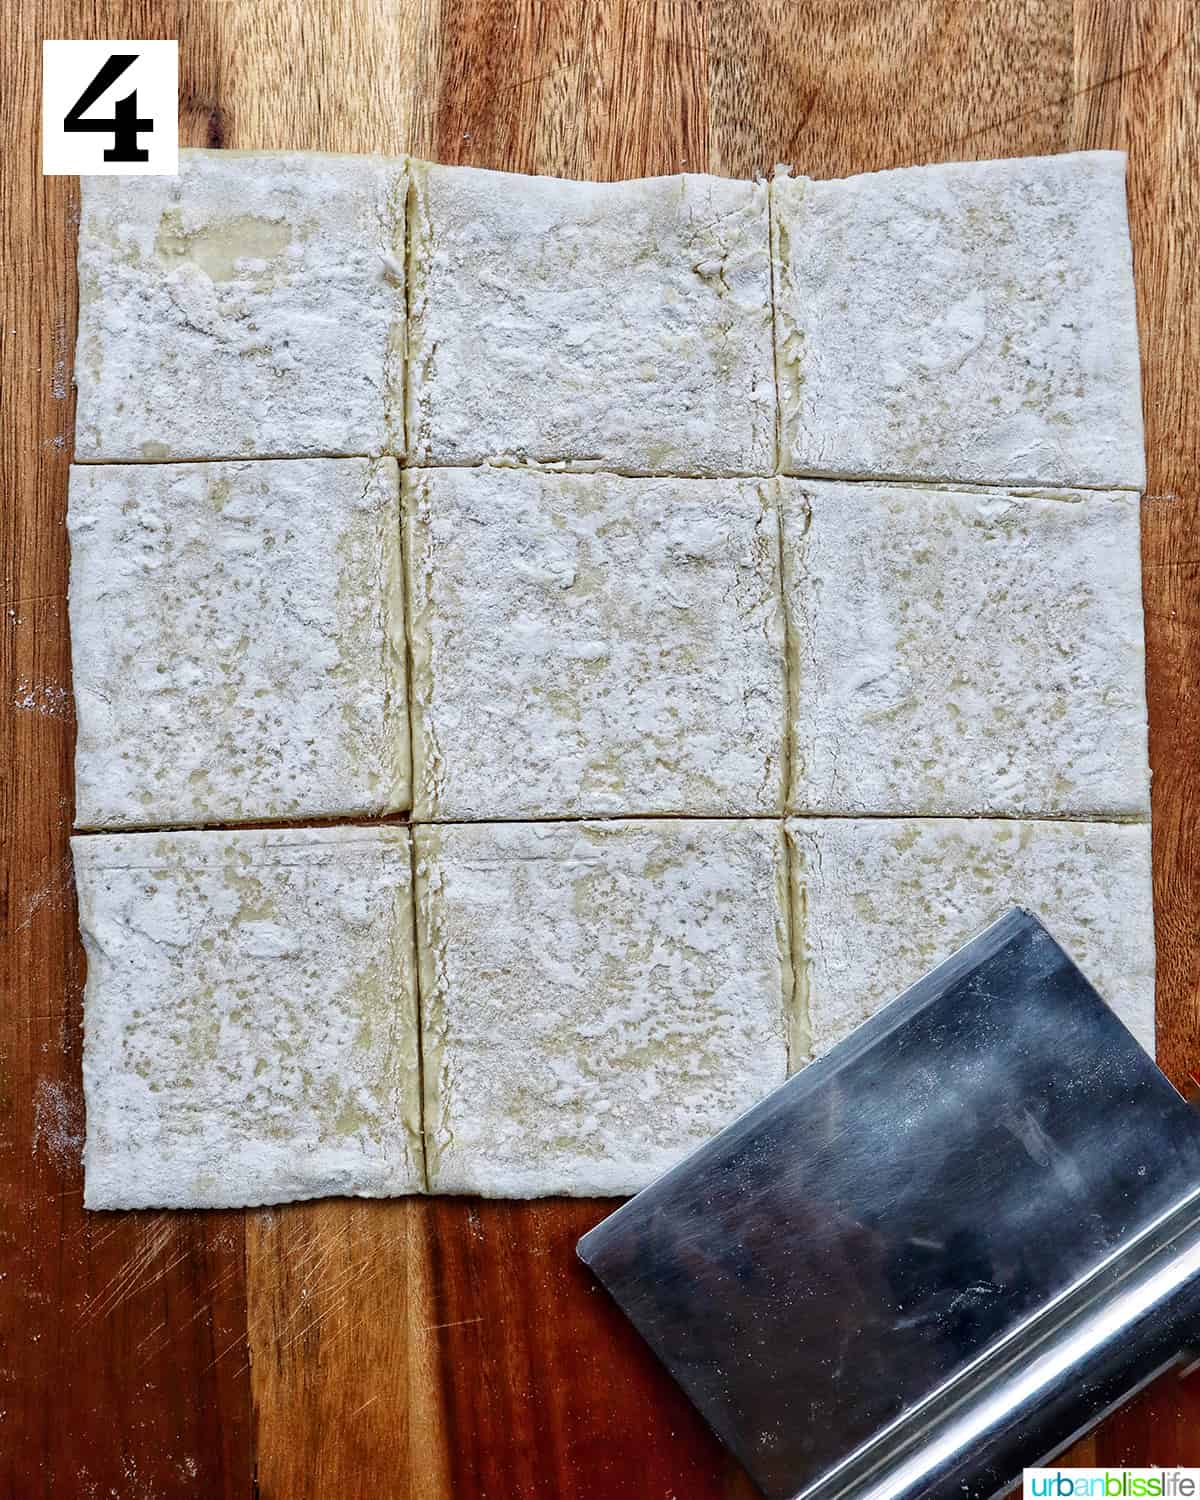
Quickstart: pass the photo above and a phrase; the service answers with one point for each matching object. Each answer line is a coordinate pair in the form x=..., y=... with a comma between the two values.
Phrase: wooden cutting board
x=451, y=1348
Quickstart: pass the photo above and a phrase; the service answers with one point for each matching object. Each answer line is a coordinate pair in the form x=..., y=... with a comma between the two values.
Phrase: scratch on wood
x=128, y=1280
x=220, y=1355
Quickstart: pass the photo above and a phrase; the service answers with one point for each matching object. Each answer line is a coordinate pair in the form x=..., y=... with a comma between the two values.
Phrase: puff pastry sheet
x=968, y=321
x=586, y=644
x=878, y=901
x=730, y=519
x=237, y=634
x=965, y=653
x=623, y=325
x=597, y=998
x=252, y=306
x=250, y=1028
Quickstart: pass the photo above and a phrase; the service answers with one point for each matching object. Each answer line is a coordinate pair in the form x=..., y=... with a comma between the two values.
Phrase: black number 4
x=124, y=125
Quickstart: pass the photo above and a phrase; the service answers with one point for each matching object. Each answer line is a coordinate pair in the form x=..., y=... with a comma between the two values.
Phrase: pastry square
x=253, y=306
x=972, y=321
x=597, y=998
x=237, y=632
x=590, y=644
x=250, y=1018
x=619, y=325
x=878, y=901
x=965, y=652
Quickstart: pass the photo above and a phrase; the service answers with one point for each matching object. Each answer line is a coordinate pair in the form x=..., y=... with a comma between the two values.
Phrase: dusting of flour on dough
x=241, y=308
x=250, y=1030
x=590, y=644
x=624, y=323
x=886, y=899
x=597, y=998
x=962, y=321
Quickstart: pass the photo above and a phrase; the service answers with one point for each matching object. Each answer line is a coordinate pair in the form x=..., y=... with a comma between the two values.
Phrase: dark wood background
x=455, y=1348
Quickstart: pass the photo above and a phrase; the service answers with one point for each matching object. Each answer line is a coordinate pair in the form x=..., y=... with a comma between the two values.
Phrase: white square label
x=110, y=109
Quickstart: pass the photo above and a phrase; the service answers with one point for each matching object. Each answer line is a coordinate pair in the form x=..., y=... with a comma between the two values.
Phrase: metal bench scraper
x=940, y=1252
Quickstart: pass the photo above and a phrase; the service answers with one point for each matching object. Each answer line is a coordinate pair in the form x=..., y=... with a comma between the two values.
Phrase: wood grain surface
x=453, y=1348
